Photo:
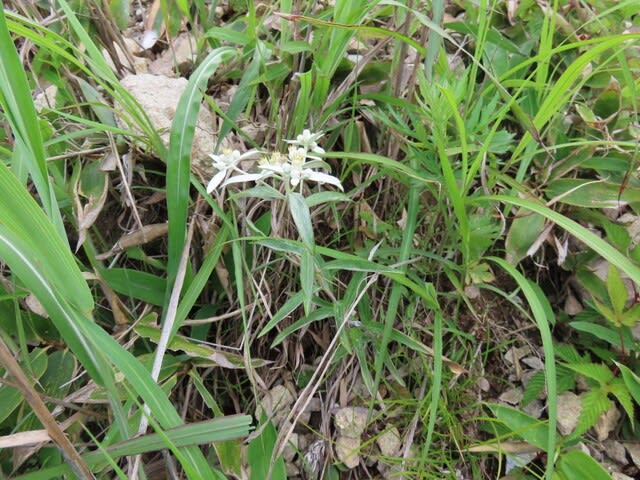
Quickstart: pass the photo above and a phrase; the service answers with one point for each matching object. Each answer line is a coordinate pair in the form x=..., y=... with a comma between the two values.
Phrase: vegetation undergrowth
x=322, y=240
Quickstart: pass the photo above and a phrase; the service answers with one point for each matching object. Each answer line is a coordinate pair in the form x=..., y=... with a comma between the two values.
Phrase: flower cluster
x=298, y=166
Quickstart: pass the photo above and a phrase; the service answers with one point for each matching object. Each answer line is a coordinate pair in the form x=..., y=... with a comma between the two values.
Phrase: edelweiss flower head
x=308, y=141
x=225, y=163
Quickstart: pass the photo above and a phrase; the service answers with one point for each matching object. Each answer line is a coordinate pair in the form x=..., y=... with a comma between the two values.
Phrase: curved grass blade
x=540, y=316
x=594, y=242
x=179, y=161
x=16, y=101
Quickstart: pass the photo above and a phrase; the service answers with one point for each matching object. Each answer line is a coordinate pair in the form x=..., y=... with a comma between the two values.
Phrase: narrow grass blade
x=594, y=242
x=540, y=316
x=15, y=99
x=179, y=161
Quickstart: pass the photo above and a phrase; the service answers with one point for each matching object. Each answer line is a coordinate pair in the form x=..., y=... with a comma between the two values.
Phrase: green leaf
x=530, y=429
x=136, y=284
x=20, y=113
x=307, y=272
x=631, y=380
x=589, y=194
x=594, y=403
x=56, y=380
x=610, y=254
x=597, y=371
x=11, y=398
x=619, y=390
x=523, y=232
x=289, y=306
x=577, y=465
x=617, y=290
x=120, y=9
x=260, y=451
x=179, y=160
x=607, y=334
x=533, y=388
x=631, y=317
x=302, y=218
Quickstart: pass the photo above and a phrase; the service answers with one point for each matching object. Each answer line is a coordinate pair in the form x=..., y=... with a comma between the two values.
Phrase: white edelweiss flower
x=227, y=162
x=308, y=141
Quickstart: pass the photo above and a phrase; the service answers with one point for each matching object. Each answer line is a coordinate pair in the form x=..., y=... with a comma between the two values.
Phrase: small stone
x=181, y=56
x=483, y=384
x=46, y=98
x=347, y=449
x=534, y=408
x=533, y=362
x=291, y=448
x=615, y=451
x=514, y=354
x=351, y=421
x=569, y=408
x=158, y=96
x=389, y=442
x=634, y=452
x=620, y=476
x=511, y=396
x=276, y=403
x=606, y=423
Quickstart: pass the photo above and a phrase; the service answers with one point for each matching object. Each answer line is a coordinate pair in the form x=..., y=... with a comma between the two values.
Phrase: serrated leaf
x=617, y=290
x=534, y=387
x=632, y=381
x=594, y=403
x=619, y=390
x=607, y=334
x=597, y=371
x=631, y=317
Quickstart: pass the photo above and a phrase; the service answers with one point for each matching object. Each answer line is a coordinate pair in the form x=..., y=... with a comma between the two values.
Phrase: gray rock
x=351, y=421
x=569, y=408
x=158, y=96
x=347, y=450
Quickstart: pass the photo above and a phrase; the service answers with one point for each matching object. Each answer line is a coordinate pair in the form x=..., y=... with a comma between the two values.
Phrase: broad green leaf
x=260, y=451
x=120, y=9
x=56, y=380
x=577, y=465
x=524, y=231
x=607, y=334
x=591, y=194
x=307, y=272
x=302, y=218
x=632, y=381
x=136, y=284
x=619, y=390
x=617, y=290
x=530, y=429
